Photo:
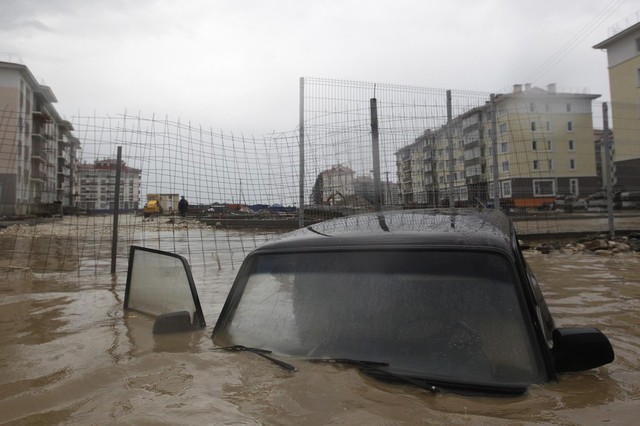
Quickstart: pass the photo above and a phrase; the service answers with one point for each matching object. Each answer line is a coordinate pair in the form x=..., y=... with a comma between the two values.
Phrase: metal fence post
x=301, y=166
x=116, y=211
x=607, y=173
x=375, y=145
x=494, y=147
x=452, y=202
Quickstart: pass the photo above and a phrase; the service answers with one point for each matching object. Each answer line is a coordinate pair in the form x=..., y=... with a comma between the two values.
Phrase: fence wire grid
x=549, y=166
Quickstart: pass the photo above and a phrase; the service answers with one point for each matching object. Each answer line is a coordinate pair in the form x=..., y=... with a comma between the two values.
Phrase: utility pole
x=388, y=201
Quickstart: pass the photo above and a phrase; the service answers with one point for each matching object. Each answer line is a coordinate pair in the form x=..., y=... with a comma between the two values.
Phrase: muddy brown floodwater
x=69, y=354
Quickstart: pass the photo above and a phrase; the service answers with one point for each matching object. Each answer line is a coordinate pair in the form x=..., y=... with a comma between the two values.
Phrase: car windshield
x=441, y=315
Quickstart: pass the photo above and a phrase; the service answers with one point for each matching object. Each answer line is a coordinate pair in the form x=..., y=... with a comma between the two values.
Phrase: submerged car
x=441, y=299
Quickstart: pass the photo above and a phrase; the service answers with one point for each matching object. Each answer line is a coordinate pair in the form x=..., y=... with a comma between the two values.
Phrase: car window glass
x=453, y=314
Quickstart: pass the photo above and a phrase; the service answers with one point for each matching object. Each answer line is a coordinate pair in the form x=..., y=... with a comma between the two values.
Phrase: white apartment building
x=37, y=148
x=97, y=183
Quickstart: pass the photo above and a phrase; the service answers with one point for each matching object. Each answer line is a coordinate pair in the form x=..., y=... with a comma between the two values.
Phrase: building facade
x=97, y=183
x=333, y=186
x=38, y=152
x=544, y=148
x=623, y=57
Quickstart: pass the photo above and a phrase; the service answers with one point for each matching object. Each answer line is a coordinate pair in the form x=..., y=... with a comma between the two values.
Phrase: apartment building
x=623, y=57
x=37, y=147
x=544, y=148
x=97, y=183
x=416, y=173
x=334, y=186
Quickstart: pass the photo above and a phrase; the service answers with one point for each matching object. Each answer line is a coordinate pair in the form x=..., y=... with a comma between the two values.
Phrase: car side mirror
x=579, y=349
x=160, y=284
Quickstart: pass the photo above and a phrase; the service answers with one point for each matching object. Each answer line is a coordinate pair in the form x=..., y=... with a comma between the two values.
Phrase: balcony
x=38, y=176
x=41, y=116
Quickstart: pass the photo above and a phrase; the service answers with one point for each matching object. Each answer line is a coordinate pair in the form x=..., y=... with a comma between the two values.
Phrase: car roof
x=428, y=228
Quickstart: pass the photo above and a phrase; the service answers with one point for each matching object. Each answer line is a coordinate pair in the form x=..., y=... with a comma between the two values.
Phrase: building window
x=533, y=126
x=504, y=147
x=547, y=108
x=506, y=188
x=572, y=146
x=544, y=187
x=534, y=145
x=569, y=126
x=532, y=107
x=550, y=164
x=573, y=186
x=535, y=165
x=503, y=128
x=464, y=193
x=549, y=145
x=548, y=126
x=638, y=44
x=572, y=164
x=568, y=107
x=505, y=166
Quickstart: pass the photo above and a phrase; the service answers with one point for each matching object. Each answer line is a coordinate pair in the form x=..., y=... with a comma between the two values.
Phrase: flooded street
x=69, y=354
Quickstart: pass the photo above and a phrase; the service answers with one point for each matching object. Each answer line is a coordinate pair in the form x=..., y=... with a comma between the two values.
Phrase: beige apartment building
x=544, y=148
x=37, y=148
x=623, y=57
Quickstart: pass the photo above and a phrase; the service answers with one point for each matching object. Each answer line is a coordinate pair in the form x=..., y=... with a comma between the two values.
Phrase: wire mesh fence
x=532, y=152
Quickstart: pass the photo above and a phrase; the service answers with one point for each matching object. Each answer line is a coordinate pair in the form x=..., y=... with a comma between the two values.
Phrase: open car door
x=160, y=284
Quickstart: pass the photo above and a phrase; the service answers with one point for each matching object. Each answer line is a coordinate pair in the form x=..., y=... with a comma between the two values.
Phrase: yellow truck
x=152, y=207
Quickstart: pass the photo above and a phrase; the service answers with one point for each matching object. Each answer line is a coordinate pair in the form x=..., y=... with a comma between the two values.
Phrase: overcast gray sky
x=235, y=64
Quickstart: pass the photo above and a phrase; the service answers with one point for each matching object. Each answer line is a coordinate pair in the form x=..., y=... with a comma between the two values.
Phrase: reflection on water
x=70, y=355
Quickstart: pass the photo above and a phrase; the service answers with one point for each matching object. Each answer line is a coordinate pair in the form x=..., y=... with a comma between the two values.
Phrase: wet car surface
x=436, y=299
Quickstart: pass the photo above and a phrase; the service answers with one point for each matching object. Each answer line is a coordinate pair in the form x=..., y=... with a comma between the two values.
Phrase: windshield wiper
x=261, y=352
x=357, y=362
x=374, y=368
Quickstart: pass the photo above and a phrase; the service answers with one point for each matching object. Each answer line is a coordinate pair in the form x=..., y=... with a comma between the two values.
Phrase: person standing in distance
x=183, y=206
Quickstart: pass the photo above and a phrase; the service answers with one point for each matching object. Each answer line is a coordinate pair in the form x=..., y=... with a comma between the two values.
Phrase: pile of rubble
x=162, y=223
x=599, y=244
x=83, y=226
